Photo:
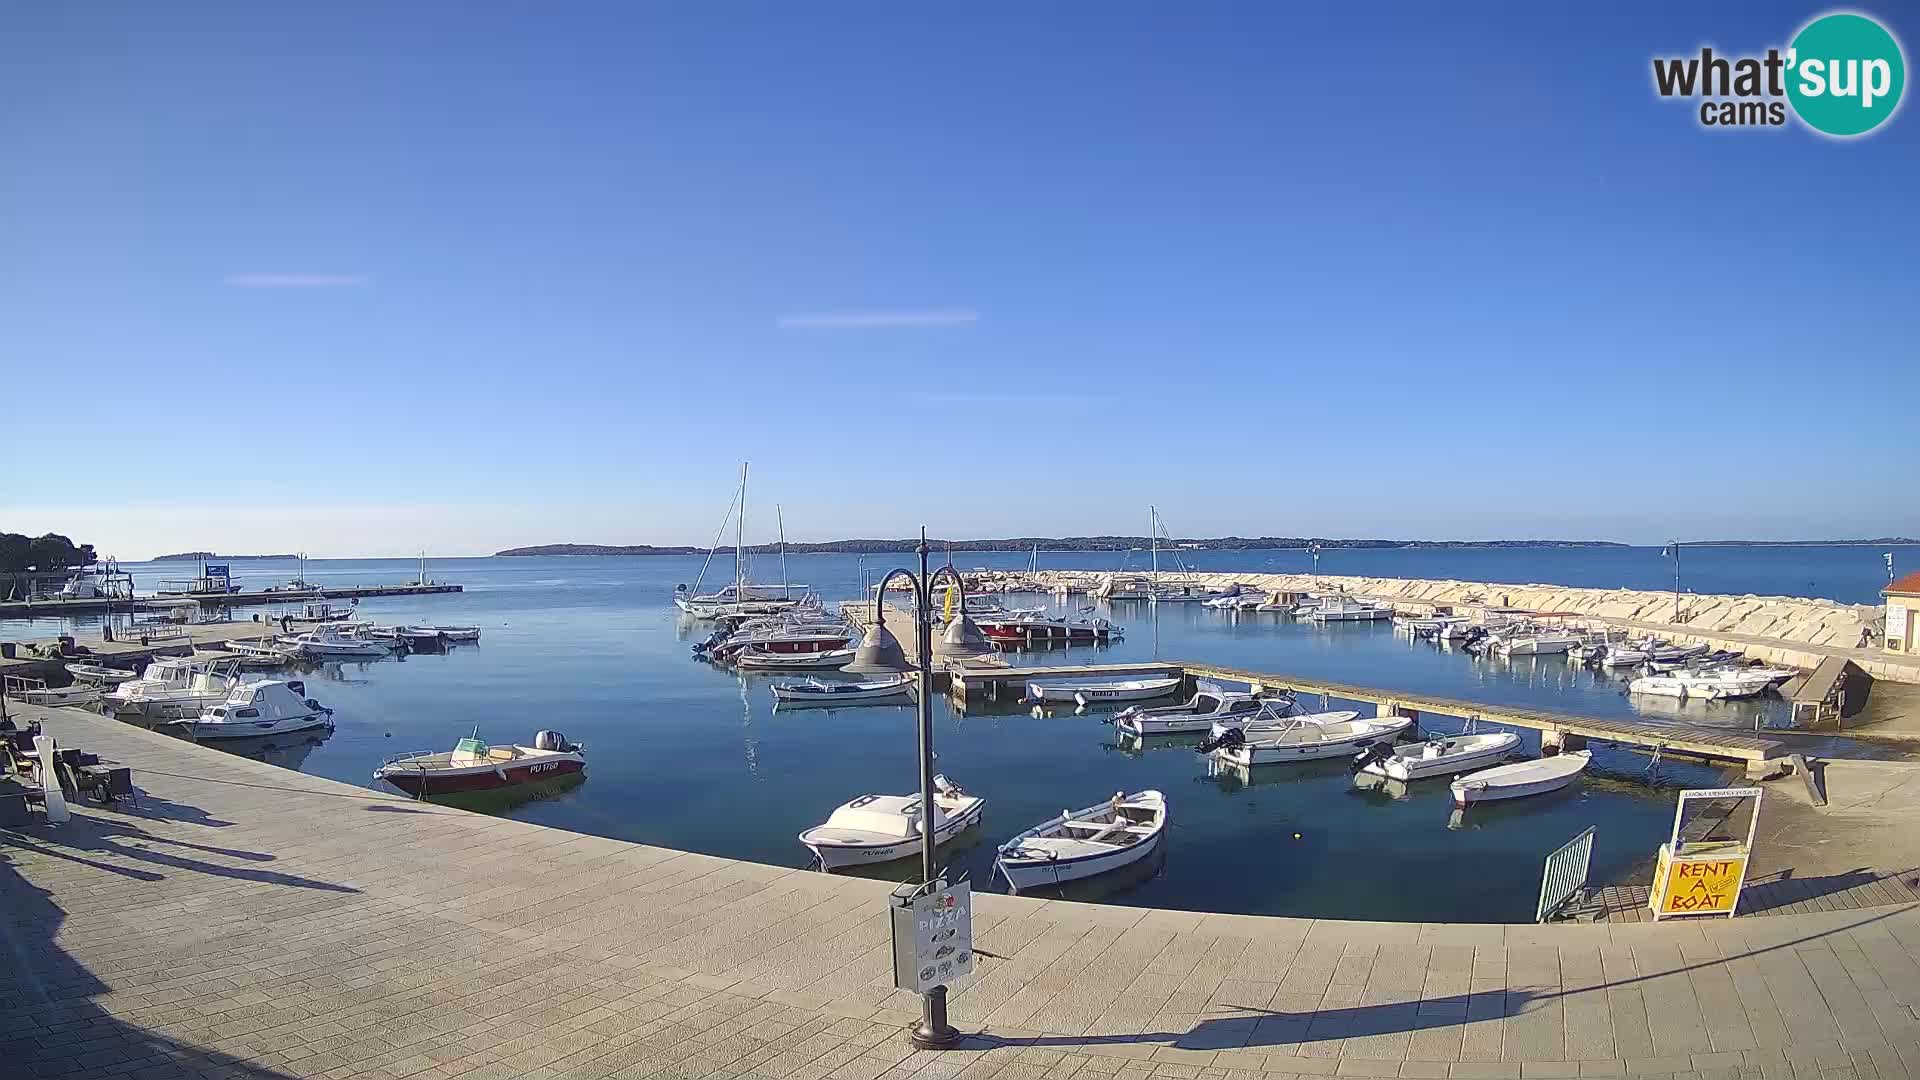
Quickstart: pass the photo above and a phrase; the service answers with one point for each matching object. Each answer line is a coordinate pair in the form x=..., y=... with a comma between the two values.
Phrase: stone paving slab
x=247, y=921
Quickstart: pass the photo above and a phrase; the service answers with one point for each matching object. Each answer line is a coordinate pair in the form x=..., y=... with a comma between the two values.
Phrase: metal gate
x=1565, y=874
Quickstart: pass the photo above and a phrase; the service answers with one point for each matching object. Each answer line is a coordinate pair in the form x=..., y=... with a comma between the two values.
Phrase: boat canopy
x=885, y=815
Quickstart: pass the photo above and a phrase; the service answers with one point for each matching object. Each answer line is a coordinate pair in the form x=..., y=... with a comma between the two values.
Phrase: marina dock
x=50, y=609
x=246, y=921
x=1760, y=755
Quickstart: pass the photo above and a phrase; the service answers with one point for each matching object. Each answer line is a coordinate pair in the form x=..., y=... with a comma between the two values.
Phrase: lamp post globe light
x=880, y=652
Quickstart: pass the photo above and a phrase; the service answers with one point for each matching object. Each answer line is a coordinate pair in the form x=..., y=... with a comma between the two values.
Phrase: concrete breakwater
x=1796, y=630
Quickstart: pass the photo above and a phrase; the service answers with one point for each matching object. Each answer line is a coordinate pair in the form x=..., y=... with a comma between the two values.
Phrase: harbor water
x=687, y=755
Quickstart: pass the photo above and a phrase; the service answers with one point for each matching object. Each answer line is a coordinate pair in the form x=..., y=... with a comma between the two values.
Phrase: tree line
x=49, y=554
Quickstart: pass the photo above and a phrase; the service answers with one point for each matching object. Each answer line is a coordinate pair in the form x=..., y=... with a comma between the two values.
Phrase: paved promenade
x=248, y=921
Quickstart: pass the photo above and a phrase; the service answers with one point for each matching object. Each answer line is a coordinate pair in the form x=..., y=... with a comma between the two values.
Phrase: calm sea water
x=694, y=757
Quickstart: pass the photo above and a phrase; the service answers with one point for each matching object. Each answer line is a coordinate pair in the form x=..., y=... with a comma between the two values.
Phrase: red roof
x=1909, y=585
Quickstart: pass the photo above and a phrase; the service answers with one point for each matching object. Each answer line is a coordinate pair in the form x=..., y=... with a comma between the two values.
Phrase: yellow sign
x=1696, y=886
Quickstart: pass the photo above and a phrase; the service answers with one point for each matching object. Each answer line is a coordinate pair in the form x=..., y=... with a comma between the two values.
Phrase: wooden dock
x=51, y=609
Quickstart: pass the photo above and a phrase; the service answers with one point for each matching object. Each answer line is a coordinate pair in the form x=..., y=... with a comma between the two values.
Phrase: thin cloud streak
x=871, y=320
x=295, y=281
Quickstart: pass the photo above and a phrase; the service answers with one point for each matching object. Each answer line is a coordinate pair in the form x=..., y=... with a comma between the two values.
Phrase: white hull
x=204, y=730
x=816, y=661
x=1082, y=693
x=835, y=856
x=1254, y=725
x=820, y=693
x=170, y=707
x=1521, y=780
x=1283, y=750
x=1365, y=615
x=1468, y=752
x=1054, y=853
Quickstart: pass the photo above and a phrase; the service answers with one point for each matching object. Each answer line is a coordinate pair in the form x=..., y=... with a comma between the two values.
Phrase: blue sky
x=363, y=278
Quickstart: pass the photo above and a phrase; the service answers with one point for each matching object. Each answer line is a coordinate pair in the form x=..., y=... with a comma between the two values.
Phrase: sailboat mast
x=740, y=541
x=1153, y=541
x=786, y=584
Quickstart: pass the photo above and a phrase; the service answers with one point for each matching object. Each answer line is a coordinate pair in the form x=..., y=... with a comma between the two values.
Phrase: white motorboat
x=329, y=643
x=446, y=633
x=1084, y=692
x=1348, y=609
x=1308, y=740
x=99, y=674
x=761, y=660
x=1775, y=675
x=1544, y=643
x=1272, y=719
x=258, y=707
x=822, y=692
x=1618, y=656
x=174, y=687
x=1521, y=779
x=1081, y=843
x=880, y=828
x=1710, y=685
x=1196, y=715
x=1448, y=756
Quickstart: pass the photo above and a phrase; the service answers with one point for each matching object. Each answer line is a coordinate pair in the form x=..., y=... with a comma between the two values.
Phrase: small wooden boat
x=79, y=693
x=821, y=692
x=473, y=770
x=1305, y=740
x=99, y=674
x=880, y=828
x=450, y=633
x=1196, y=715
x=1081, y=843
x=758, y=660
x=1521, y=779
x=259, y=654
x=1449, y=756
x=1085, y=692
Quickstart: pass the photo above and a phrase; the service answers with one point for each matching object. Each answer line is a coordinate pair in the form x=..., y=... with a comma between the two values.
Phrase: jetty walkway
x=248, y=921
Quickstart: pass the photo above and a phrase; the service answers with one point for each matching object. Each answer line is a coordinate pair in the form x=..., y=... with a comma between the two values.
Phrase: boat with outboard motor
x=474, y=773
x=1082, y=843
x=880, y=828
x=1447, y=755
x=333, y=643
x=257, y=707
x=1197, y=714
x=1305, y=738
x=1275, y=717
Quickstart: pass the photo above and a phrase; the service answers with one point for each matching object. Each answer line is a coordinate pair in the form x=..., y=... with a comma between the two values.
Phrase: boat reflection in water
x=1230, y=776
x=289, y=751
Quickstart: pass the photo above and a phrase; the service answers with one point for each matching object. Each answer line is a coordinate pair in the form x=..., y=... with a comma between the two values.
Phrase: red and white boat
x=1040, y=630
x=472, y=768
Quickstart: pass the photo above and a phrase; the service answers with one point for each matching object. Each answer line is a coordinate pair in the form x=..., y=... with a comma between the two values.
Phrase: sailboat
x=742, y=597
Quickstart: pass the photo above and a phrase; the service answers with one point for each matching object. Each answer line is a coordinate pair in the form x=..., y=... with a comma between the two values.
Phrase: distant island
x=1069, y=543
x=197, y=556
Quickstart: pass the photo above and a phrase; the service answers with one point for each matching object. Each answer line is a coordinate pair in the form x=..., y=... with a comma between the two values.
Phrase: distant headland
x=196, y=556
x=1067, y=543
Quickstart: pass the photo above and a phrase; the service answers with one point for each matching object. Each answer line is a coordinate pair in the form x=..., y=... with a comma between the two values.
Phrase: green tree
x=16, y=553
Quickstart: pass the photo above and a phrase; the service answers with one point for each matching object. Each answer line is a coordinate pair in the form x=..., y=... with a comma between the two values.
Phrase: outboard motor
x=554, y=741
x=1226, y=740
x=1379, y=751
